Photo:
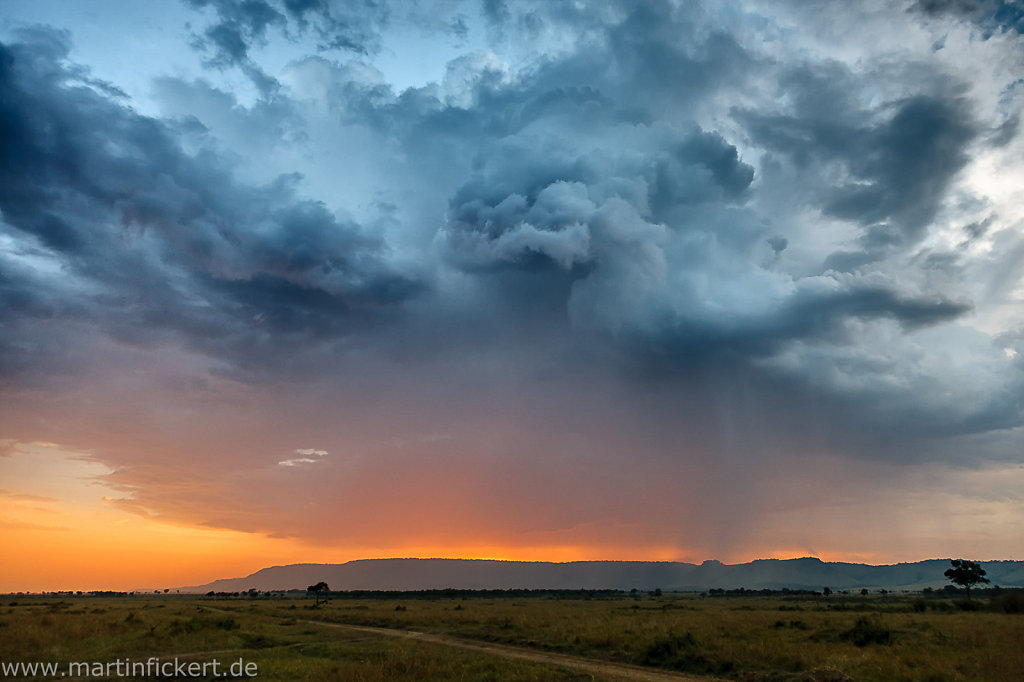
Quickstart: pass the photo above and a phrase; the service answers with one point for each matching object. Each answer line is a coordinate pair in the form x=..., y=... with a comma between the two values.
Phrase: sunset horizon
x=143, y=586
x=136, y=550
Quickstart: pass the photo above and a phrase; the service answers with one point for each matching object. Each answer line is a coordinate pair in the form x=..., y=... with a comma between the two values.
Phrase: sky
x=291, y=281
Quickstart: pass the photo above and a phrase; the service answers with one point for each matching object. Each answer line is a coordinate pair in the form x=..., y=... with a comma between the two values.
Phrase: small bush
x=868, y=631
x=196, y=623
x=252, y=640
x=225, y=623
x=681, y=652
x=1008, y=602
x=968, y=605
x=665, y=650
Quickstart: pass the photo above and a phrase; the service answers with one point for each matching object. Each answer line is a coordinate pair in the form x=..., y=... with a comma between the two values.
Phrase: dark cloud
x=159, y=241
x=967, y=7
x=703, y=167
x=1007, y=131
x=242, y=24
x=496, y=11
x=352, y=26
x=893, y=163
x=832, y=318
x=993, y=15
x=907, y=164
x=778, y=243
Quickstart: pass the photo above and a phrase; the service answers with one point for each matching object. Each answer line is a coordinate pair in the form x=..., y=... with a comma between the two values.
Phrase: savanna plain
x=811, y=638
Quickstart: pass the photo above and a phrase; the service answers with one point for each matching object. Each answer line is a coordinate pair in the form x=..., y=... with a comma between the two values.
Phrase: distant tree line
x=766, y=592
x=452, y=593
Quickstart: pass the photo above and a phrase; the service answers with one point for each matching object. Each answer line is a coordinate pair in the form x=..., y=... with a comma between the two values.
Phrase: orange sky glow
x=63, y=530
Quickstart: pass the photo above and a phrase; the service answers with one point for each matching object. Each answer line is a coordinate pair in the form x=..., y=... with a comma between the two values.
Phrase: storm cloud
x=606, y=243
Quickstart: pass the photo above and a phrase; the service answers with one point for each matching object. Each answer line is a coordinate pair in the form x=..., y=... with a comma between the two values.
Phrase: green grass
x=742, y=638
x=103, y=630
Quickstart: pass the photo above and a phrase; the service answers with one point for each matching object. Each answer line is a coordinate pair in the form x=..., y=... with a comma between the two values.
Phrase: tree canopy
x=318, y=589
x=966, y=573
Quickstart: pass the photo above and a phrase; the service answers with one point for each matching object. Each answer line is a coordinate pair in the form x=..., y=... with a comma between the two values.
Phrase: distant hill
x=435, y=574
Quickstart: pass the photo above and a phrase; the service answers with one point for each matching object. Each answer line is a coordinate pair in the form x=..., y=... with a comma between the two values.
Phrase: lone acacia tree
x=966, y=573
x=318, y=589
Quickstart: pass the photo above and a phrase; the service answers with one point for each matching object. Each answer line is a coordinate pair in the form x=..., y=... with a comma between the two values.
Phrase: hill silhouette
x=807, y=573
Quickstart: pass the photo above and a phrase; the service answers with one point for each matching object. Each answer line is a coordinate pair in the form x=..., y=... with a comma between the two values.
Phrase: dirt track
x=606, y=669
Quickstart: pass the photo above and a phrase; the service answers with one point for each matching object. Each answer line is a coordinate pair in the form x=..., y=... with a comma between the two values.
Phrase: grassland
x=738, y=638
